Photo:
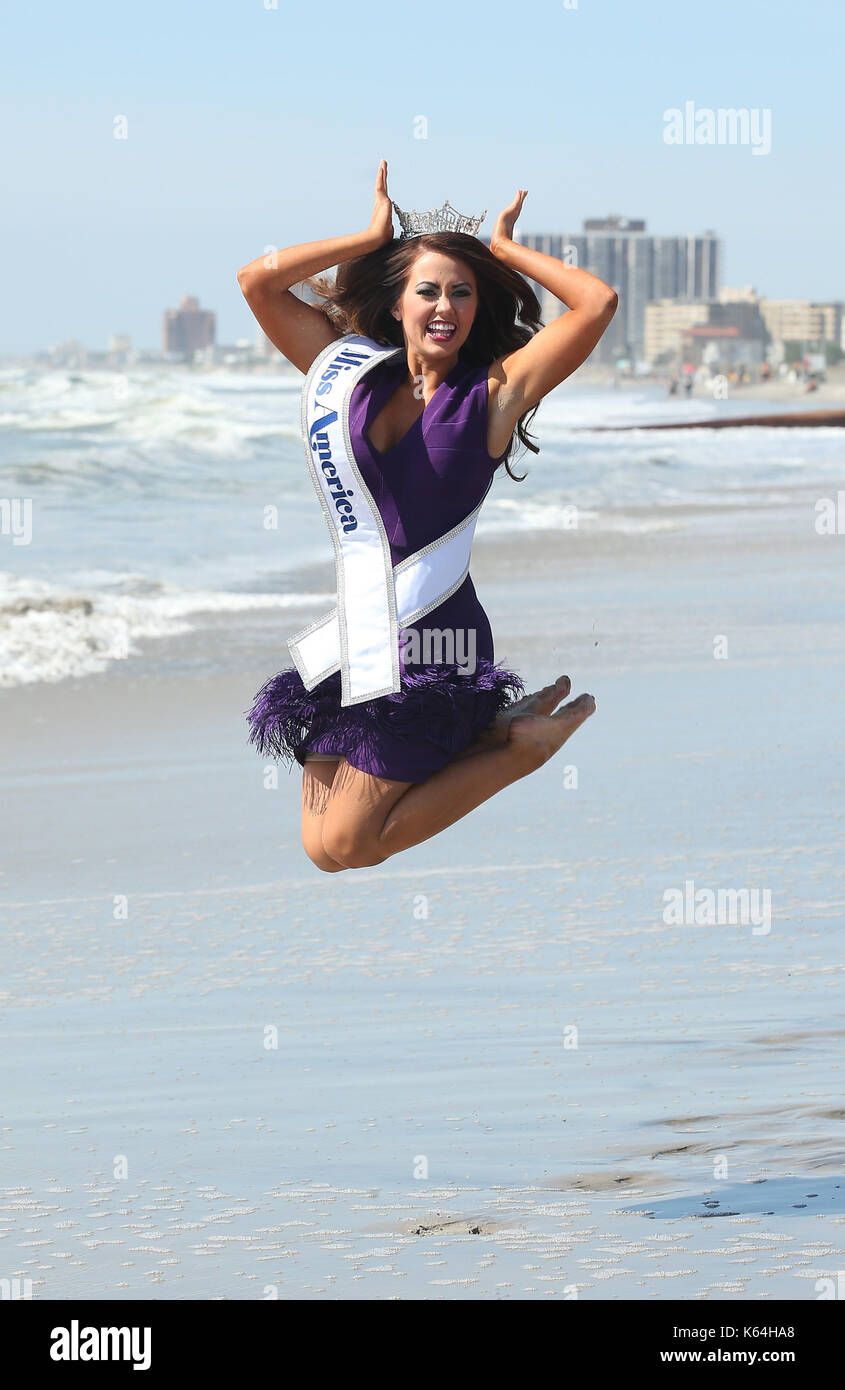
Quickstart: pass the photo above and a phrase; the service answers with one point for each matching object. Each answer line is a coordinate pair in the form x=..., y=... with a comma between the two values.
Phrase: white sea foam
x=179, y=491
x=152, y=411
x=48, y=633
x=509, y=514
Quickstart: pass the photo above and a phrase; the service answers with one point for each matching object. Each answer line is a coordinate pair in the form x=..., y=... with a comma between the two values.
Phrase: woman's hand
x=381, y=222
x=503, y=230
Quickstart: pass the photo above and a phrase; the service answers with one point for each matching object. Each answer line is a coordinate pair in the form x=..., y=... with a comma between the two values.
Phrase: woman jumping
x=422, y=367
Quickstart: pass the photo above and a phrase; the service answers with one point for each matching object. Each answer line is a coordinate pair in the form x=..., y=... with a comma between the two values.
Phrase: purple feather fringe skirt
x=405, y=736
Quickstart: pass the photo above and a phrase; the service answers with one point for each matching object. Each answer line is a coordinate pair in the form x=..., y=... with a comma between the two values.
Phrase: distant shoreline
x=590, y=375
x=831, y=391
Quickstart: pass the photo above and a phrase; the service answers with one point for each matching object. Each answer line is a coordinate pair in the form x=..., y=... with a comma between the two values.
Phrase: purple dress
x=425, y=485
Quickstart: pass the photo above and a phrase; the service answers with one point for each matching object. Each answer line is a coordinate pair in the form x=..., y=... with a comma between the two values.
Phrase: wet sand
x=489, y=1068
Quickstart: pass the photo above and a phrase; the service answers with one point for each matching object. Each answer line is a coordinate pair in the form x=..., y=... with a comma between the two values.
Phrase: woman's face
x=437, y=305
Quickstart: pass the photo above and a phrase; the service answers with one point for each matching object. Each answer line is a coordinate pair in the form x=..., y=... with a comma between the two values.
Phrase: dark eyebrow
x=456, y=284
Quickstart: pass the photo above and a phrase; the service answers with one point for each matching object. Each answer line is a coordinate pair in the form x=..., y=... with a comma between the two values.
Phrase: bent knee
x=328, y=866
x=325, y=862
x=351, y=851
x=319, y=856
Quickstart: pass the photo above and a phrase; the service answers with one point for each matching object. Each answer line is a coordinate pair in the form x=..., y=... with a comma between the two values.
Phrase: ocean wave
x=508, y=514
x=48, y=633
x=170, y=433
x=150, y=411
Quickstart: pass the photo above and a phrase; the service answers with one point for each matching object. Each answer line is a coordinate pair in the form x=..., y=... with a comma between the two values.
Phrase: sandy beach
x=489, y=1069
x=830, y=392
x=587, y=1043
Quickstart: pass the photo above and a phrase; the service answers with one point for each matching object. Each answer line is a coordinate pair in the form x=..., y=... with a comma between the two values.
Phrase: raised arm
x=526, y=375
x=297, y=329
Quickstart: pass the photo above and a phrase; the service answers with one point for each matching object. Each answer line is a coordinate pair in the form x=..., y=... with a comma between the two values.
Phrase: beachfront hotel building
x=675, y=330
x=802, y=321
x=641, y=268
x=720, y=346
x=665, y=321
x=188, y=329
x=730, y=329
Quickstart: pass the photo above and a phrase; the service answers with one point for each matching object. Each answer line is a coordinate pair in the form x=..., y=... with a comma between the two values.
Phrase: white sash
x=360, y=637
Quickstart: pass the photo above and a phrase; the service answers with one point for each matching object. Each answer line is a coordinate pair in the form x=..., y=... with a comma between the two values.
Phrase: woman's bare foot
x=539, y=702
x=547, y=733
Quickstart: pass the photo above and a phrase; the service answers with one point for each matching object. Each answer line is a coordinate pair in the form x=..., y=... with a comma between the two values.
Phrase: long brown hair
x=359, y=299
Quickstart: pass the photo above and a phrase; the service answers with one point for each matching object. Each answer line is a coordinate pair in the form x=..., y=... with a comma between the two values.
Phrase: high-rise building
x=188, y=328
x=640, y=268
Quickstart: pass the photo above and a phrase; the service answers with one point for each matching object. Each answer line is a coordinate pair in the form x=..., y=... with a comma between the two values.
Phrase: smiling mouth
x=441, y=331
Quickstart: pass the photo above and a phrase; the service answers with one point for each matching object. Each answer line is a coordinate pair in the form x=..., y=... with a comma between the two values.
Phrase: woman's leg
x=318, y=776
x=368, y=819
x=380, y=794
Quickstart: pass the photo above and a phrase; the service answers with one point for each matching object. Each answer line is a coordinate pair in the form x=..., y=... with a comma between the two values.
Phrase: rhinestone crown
x=443, y=219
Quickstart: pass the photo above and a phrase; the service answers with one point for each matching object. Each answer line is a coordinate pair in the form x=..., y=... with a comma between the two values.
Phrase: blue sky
x=251, y=126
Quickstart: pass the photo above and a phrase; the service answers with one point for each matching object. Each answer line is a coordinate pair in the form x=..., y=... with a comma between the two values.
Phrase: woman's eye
x=459, y=294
